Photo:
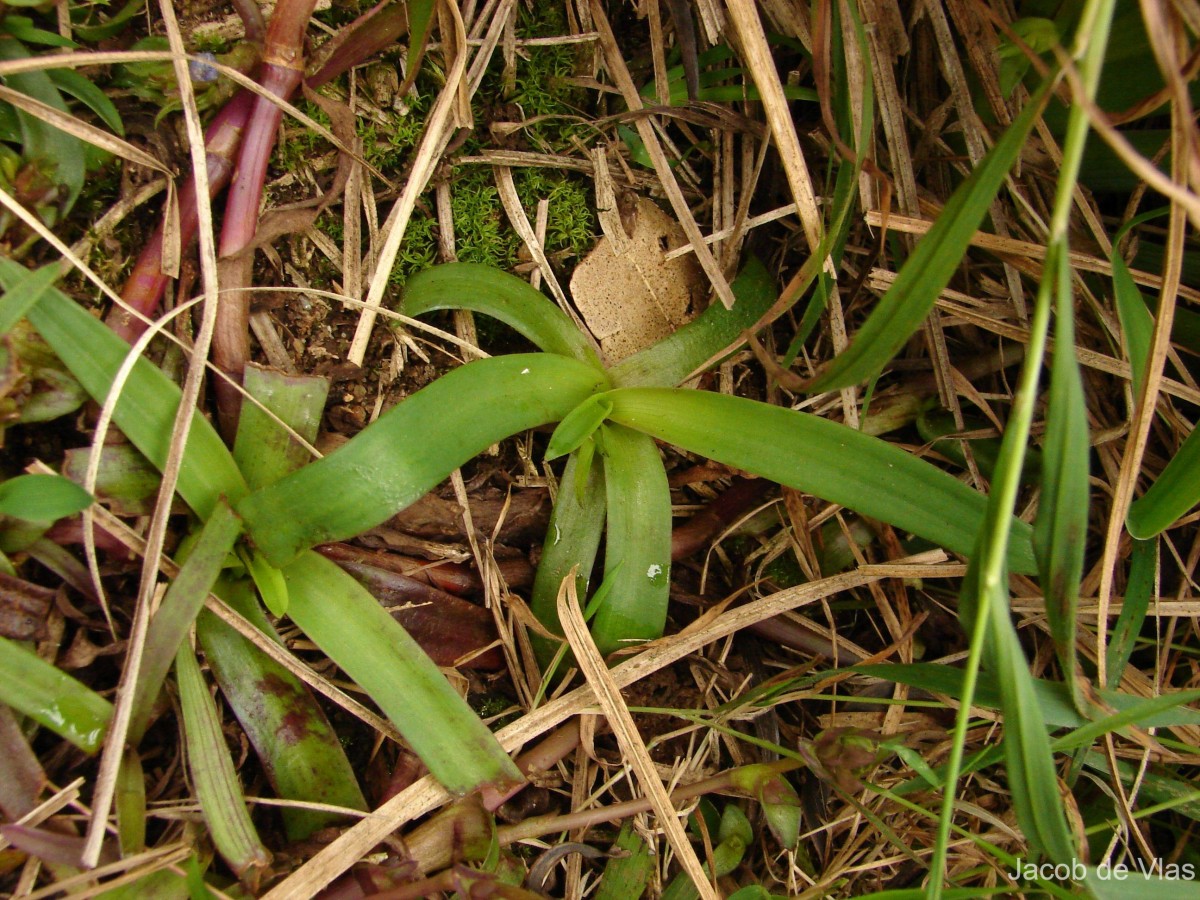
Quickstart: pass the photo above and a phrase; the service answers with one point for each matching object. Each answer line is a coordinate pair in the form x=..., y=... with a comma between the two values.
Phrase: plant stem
x=146, y=284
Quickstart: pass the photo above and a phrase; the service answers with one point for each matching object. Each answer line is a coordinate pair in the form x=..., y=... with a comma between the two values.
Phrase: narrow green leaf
x=130, y=803
x=1060, y=530
x=272, y=586
x=1137, y=325
x=820, y=457
x=183, y=600
x=936, y=258
x=217, y=788
x=1138, y=588
x=420, y=17
x=146, y=410
x=411, y=448
x=637, y=549
x=502, y=296
x=572, y=541
x=71, y=82
x=1032, y=778
x=300, y=752
x=1055, y=703
x=52, y=698
x=1174, y=492
x=353, y=630
x=25, y=293
x=717, y=329
x=42, y=498
x=627, y=874
x=578, y=426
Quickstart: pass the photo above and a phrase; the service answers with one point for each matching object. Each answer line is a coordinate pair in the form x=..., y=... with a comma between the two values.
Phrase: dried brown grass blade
x=631, y=744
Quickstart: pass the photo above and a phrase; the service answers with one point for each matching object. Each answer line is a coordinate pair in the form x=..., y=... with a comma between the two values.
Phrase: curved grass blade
x=350, y=626
x=637, y=549
x=300, y=752
x=925, y=273
x=1060, y=530
x=572, y=542
x=1137, y=325
x=819, y=457
x=52, y=698
x=677, y=357
x=502, y=296
x=1174, y=492
x=217, y=788
x=411, y=448
x=146, y=410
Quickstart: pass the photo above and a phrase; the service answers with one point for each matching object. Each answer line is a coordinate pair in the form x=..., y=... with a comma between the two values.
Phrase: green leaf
x=264, y=450
x=637, y=549
x=420, y=16
x=411, y=448
x=177, y=611
x=502, y=296
x=299, y=750
x=52, y=698
x=42, y=498
x=1053, y=698
x=1174, y=492
x=928, y=270
x=358, y=634
x=24, y=293
x=1105, y=884
x=61, y=155
x=1060, y=530
x=1138, y=588
x=272, y=587
x=146, y=411
x=820, y=457
x=1137, y=325
x=71, y=82
x=213, y=775
x=578, y=426
x=572, y=542
x=627, y=874
x=714, y=331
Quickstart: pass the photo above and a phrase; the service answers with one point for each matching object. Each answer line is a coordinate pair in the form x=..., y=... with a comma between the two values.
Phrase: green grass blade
x=1174, y=492
x=1137, y=325
x=177, y=612
x=936, y=258
x=1138, y=589
x=411, y=448
x=146, y=410
x=213, y=776
x=52, y=698
x=1060, y=531
x=578, y=426
x=637, y=550
x=678, y=356
x=358, y=634
x=572, y=540
x=820, y=457
x=502, y=296
x=300, y=752
x=1106, y=885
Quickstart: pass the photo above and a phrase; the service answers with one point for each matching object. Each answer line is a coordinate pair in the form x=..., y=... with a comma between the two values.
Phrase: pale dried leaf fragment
x=629, y=293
